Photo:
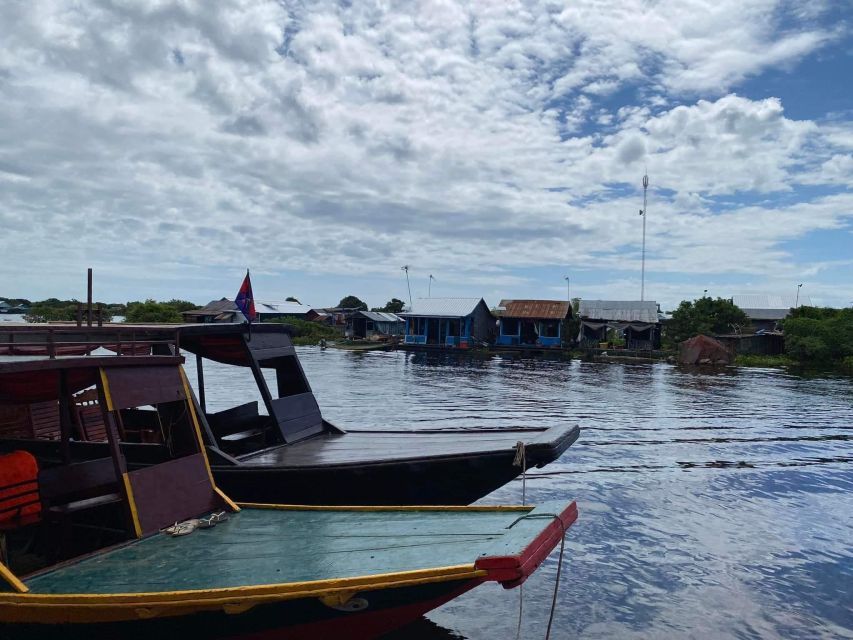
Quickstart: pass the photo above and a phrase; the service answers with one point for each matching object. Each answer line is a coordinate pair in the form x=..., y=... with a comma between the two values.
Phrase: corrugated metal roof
x=286, y=308
x=213, y=307
x=380, y=316
x=443, y=307
x=619, y=310
x=539, y=309
x=768, y=307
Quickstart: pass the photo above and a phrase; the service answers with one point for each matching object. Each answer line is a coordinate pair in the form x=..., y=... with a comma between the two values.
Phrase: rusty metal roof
x=538, y=309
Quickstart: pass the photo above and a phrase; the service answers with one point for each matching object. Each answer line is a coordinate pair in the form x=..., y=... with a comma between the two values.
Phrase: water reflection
x=713, y=504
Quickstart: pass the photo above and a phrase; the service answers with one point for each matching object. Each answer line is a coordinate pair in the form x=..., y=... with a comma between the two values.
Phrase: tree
x=292, y=299
x=705, y=315
x=182, y=305
x=151, y=311
x=351, y=302
x=394, y=305
x=816, y=337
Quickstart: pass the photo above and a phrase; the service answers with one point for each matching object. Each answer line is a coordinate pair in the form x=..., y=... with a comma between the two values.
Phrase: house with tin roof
x=532, y=323
x=637, y=321
x=374, y=324
x=766, y=312
x=223, y=310
x=454, y=323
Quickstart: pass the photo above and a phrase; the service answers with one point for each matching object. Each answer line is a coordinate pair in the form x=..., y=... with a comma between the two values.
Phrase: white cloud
x=171, y=136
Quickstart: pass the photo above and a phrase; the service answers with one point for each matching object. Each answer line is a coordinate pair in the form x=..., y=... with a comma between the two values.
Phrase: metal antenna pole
x=568, y=289
x=405, y=268
x=797, y=303
x=431, y=278
x=643, y=213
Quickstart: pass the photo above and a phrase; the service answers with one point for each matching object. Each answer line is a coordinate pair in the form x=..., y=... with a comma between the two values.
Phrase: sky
x=498, y=146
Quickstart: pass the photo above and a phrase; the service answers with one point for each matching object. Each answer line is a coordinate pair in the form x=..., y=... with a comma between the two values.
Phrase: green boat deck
x=267, y=547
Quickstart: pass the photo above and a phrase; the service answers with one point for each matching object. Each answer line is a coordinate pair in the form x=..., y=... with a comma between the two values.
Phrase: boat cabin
x=77, y=503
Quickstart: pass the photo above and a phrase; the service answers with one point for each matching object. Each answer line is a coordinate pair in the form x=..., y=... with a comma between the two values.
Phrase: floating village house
x=223, y=310
x=532, y=323
x=374, y=324
x=274, y=310
x=767, y=312
x=449, y=322
x=637, y=320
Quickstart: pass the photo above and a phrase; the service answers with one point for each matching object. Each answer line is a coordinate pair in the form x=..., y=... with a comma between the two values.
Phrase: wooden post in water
x=89, y=297
x=79, y=314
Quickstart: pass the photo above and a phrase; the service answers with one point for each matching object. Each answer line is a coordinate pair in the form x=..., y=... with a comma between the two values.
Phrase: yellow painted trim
x=134, y=514
x=200, y=439
x=500, y=508
x=83, y=608
x=234, y=506
x=12, y=579
x=105, y=383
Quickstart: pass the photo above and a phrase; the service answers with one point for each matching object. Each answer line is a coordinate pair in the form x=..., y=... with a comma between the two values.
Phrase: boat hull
x=303, y=619
x=441, y=468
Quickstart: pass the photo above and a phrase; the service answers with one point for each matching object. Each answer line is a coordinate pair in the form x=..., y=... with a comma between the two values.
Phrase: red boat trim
x=512, y=571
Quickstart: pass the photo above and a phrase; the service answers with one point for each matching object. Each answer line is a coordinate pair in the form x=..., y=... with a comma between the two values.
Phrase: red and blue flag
x=245, y=300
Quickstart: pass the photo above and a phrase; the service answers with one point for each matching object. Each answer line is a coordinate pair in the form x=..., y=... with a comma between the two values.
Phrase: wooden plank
x=173, y=491
x=139, y=386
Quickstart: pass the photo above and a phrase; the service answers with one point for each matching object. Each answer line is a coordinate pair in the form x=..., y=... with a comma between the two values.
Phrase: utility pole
x=797, y=303
x=643, y=213
x=431, y=278
x=568, y=289
x=405, y=268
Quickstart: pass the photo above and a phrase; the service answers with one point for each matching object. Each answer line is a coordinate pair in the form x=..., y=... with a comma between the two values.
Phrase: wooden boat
x=287, y=452
x=88, y=558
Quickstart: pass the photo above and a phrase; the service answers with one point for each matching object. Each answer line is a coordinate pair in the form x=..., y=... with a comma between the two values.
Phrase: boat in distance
x=288, y=452
x=96, y=550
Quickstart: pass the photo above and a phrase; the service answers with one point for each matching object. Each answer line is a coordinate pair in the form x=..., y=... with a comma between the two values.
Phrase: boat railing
x=53, y=341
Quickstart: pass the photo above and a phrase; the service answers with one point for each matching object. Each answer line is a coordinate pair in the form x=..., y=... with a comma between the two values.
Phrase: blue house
x=532, y=323
x=456, y=323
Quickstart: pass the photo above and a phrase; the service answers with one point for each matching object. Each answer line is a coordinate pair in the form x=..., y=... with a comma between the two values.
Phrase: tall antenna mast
x=431, y=278
x=405, y=268
x=643, y=213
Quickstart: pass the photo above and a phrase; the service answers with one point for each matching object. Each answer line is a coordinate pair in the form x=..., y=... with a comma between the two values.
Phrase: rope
x=520, y=460
x=556, y=581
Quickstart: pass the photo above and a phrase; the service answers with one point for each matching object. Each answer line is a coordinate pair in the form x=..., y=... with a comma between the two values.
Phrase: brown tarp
x=703, y=350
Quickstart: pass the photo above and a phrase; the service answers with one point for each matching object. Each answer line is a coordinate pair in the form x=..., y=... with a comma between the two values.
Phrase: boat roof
x=29, y=381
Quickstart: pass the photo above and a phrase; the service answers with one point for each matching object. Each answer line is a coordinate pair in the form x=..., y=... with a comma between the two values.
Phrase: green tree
x=351, y=302
x=182, y=305
x=151, y=311
x=816, y=337
x=705, y=315
x=394, y=305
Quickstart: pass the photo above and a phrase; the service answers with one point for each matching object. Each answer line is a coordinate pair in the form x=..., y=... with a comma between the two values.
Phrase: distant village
x=467, y=323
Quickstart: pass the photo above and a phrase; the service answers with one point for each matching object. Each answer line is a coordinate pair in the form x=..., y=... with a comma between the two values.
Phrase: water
x=711, y=504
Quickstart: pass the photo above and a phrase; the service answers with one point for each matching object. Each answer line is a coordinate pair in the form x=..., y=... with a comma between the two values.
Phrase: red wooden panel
x=139, y=386
x=173, y=491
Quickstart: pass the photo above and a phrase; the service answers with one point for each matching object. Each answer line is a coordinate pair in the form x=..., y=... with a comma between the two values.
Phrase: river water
x=712, y=504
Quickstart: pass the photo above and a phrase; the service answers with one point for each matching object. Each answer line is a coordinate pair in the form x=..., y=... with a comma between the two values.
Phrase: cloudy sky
x=496, y=145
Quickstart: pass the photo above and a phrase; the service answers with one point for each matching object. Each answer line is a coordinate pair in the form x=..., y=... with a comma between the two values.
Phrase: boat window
x=290, y=377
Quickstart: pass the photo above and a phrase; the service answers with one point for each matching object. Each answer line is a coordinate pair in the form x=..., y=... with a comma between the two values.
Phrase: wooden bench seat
x=85, y=504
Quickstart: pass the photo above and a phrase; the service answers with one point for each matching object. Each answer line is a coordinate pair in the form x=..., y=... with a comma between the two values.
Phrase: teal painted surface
x=258, y=546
